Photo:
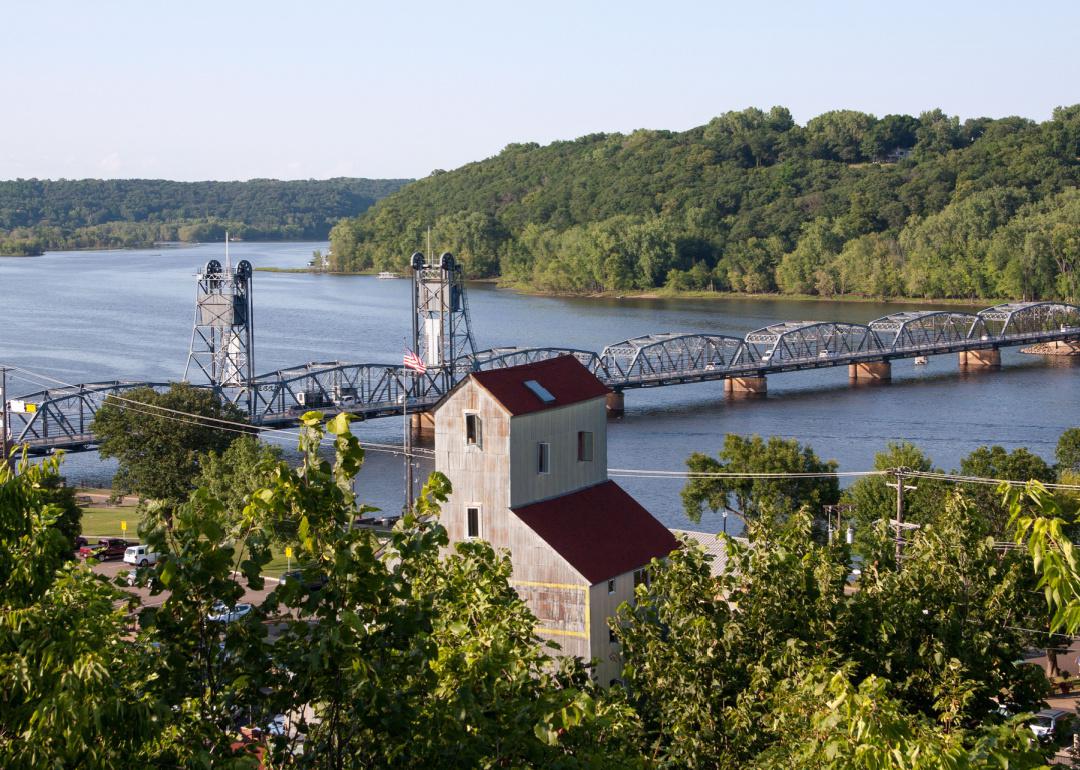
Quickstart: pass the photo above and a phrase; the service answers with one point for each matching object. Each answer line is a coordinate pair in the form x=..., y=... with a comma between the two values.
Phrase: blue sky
x=235, y=89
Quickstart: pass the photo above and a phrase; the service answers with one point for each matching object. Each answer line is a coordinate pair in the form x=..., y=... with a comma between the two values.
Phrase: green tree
x=72, y=687
x=1067, y=453
x=874, y=501
x=995, y=463
x=754, y=496
x=159, y=455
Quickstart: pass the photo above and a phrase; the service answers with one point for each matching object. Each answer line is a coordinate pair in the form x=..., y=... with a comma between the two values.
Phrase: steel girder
x=810, y=340
x=672, y=355
x=925, y=328
x=501, y=358
x=1023, y=319
x=64, y=414
x=339, y=386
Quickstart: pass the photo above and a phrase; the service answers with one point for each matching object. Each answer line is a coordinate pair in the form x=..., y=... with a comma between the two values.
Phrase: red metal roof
x=564, y=377
x=600, y=530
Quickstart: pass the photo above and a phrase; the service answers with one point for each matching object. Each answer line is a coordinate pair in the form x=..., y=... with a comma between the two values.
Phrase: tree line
x=416, y=654
x=848, y=204
x=39, y=214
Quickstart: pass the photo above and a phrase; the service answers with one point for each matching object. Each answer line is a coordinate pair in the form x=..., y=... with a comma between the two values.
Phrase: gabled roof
x=600, y=530
x=564, y=378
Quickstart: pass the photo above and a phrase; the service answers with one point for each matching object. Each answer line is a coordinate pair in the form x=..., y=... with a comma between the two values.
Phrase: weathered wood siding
x=559, y=428
x=604, y=605
x=479, y=474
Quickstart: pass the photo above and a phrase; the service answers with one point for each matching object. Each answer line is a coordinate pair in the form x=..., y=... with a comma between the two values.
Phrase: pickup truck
x=104, y=549
x=140, y=555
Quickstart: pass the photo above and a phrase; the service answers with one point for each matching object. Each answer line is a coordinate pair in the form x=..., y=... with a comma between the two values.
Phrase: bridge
x=223, y=345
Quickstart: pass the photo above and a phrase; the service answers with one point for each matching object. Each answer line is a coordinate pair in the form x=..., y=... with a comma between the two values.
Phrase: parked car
x=105, y=549
x=220, y=613
x=312, y=581
x=1049, y=724
x=140, y=555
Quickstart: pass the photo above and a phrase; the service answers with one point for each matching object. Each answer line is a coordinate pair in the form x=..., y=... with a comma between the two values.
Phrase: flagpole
x=408, y=446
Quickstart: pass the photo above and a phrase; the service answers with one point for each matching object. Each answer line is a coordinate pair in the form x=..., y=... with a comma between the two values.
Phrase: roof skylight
x=540, y=391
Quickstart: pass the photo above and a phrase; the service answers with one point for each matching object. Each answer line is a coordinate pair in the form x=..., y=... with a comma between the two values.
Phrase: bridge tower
x=222, y=336
x=441, y=333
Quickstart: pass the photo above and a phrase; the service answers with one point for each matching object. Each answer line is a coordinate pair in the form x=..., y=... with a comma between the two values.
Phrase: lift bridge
x=221, y=356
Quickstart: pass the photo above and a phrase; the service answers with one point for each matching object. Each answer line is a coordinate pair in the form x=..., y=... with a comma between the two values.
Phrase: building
x=526, y=451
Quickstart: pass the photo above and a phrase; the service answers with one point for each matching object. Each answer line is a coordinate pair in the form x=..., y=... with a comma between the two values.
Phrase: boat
x=386, y=275
x=921, y=360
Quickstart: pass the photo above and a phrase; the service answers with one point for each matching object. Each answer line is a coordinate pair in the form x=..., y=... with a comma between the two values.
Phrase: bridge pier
x=751, y=386
x=422, y=424
x=616, y=403
x=980, y=359
x=870, y=371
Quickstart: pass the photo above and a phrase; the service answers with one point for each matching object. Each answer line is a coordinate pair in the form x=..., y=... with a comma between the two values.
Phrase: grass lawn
x=105, y=522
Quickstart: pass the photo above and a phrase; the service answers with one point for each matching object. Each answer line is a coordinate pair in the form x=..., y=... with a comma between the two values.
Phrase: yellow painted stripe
x=565, y=586
x=561, y=632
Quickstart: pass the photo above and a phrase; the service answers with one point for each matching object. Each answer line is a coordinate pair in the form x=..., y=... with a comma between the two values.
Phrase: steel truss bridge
x=370, y=390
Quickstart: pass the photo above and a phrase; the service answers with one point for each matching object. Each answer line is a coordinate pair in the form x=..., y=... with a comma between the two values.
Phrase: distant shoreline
x=663, y=294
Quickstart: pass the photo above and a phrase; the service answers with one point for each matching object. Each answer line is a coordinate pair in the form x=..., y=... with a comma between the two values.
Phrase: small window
x=584, y=446
x=472, y=429
x=472, y=522
x=611, y=586
x=543, y=457
x=641, y=576
x=611, y=637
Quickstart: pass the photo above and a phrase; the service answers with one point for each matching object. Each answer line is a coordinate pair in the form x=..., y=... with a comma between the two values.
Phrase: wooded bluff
x=107, y=213
x=848, y=204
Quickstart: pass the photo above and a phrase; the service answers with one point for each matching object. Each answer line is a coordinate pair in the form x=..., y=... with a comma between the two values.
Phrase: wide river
x=102, y=315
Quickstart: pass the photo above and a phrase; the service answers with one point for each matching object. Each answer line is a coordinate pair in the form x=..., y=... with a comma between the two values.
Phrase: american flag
x=414, y=362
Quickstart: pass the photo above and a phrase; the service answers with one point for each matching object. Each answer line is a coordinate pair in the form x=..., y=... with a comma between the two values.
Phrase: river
x=99, y=315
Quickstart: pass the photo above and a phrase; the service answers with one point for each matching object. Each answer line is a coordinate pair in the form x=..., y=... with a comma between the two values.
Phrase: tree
x=72, y=687
x=754, y=496
x=774, y=664
x=232, y=476
x=1067, y=453
x=874, y=501
x=995, y=463
x=159, y=449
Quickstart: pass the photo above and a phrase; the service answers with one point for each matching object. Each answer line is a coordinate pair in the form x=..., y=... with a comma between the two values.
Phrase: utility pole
x=5, y=418
x=408, y=446
x=900, y=487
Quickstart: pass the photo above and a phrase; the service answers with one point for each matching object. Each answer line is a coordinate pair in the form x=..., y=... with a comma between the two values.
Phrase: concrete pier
x=751, y=386
x=616, y=404
x=871, y=371
x=422, y=424
x=980, y=359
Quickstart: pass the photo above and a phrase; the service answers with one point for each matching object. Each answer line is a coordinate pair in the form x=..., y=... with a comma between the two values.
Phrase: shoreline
x=664, y=294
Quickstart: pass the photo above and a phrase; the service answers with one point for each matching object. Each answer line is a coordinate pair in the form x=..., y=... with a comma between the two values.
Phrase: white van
x=140, y=555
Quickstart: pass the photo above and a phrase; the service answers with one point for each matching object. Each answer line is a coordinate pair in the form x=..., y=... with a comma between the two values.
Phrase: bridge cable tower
x=441, y=334
x=222, y=335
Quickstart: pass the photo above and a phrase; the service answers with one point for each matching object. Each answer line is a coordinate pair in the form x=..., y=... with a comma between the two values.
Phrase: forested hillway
x=39, y=214
x=849, y=204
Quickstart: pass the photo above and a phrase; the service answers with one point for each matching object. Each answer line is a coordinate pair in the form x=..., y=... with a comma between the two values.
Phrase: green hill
x=752, y=202
x=41, y=214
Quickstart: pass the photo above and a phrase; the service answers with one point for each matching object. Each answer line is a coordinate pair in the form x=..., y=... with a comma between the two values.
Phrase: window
x=584, y=446
x=472, y=522
x=612, y=639
x=543, y=457
x=641, y=576
x=611, y=586
x=472, y=429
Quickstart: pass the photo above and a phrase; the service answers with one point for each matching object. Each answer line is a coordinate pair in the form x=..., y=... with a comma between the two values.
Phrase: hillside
x=752, y=202
x=41, y=214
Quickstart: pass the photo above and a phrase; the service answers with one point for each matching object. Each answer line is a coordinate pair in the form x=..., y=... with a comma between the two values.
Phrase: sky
x=234, y=89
